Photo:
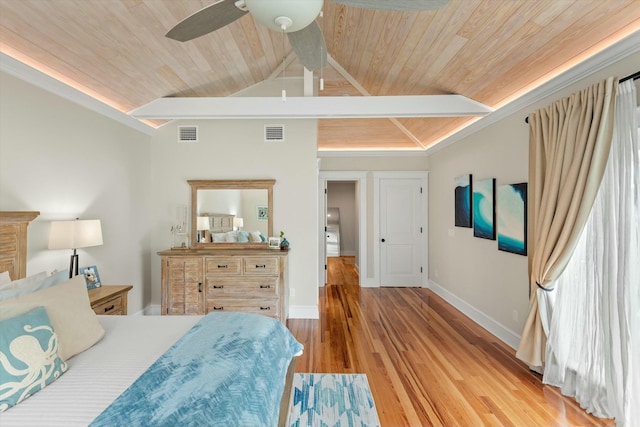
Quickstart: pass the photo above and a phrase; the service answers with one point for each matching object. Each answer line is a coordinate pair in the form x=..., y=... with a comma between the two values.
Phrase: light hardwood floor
x=427, y=363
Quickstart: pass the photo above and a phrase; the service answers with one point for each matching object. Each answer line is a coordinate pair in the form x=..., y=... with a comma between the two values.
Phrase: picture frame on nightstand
x=91, y=276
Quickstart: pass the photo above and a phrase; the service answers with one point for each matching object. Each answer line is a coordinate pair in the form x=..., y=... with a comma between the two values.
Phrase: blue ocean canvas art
x=463, y=207
x=484, y=209
x=512, y=218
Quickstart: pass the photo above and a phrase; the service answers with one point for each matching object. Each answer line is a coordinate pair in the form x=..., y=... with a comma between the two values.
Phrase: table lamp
x=202, y=225
x=75, y=234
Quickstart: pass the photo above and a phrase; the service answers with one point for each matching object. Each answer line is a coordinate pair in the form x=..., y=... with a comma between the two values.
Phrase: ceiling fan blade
x=399, y=5
x=205, y=21
x=308, y=44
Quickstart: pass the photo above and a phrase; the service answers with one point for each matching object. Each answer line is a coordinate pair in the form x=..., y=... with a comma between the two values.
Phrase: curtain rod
x=634, y=76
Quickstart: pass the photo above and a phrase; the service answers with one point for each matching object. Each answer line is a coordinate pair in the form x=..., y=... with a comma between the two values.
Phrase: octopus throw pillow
x=29, y=358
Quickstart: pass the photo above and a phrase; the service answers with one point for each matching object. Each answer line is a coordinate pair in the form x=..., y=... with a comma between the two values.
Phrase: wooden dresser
x=198, y=281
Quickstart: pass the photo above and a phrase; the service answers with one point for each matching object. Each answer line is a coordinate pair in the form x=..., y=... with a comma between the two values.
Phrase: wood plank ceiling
x=487, y=50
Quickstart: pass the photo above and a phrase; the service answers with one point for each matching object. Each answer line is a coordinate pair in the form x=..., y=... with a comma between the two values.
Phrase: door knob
x=382, y=240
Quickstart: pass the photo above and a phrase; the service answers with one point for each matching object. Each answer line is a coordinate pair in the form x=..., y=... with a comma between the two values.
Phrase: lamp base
x=73, y=265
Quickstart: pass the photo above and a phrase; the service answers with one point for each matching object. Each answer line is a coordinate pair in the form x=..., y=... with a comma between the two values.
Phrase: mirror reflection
x=221, y=211
x=231, y=212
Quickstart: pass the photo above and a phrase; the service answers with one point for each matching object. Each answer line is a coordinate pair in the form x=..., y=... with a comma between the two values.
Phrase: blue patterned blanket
x=228, y=370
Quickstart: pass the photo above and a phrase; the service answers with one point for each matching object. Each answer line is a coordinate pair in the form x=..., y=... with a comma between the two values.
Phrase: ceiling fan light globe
x=300, y=12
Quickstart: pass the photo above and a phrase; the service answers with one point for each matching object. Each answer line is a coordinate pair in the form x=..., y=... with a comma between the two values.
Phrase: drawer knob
x=109, y=308
x=265, y=308
x=261, y=266
x=218, y=308
x=223, y=266
x=265, y=286
x=218, y=286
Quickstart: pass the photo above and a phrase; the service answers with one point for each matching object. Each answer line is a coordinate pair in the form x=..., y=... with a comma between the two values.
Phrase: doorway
x=400, y=227
x=367, y=258
x=351, y=186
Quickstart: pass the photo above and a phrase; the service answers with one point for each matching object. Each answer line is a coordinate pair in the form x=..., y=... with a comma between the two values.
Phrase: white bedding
x=100, y=374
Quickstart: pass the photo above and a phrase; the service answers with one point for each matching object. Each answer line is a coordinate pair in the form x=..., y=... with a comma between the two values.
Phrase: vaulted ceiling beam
x=323, y=107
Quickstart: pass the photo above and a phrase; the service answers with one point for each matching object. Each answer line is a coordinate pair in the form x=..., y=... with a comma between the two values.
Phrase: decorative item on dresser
x=110, y=300
x=199, y=281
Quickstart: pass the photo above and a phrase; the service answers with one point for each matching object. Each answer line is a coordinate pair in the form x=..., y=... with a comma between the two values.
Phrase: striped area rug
x=336, y=400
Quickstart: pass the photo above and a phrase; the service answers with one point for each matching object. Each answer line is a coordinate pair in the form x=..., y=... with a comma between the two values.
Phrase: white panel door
x=400, y=234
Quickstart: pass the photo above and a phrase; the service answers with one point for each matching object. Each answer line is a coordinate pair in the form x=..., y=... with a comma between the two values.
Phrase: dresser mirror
x=231, y=213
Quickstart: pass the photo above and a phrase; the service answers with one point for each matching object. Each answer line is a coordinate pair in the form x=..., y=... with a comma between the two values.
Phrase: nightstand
x=110, y=300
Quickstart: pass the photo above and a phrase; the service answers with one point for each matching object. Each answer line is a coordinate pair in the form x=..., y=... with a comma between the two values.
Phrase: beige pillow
x=69, y=309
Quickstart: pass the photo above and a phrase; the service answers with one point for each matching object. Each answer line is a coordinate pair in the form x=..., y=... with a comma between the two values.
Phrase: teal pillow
x=243, y=236
x=29, y=358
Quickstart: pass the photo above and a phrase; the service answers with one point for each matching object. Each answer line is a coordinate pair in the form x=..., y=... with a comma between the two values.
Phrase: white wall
x=471, y=271
x=66, y=162
x=235, y=149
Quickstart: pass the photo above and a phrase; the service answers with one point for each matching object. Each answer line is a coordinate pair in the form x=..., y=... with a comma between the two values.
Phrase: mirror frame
x=230, y=184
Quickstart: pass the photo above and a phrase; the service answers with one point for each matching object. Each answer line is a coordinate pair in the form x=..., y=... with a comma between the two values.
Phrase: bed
x=220, y=369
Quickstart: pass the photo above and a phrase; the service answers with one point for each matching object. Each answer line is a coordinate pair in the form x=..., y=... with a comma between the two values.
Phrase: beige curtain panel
x=569, y=144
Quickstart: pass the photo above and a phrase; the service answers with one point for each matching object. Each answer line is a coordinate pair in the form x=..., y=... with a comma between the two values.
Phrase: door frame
x=360, y=178
x=424, y=208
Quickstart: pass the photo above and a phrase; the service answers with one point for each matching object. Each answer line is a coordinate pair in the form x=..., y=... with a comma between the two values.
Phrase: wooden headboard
x=13, y=242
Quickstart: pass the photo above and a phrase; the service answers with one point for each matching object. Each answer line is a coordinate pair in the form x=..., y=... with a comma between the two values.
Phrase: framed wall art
x=262, y=213
x=484, y=212
x=512, y=218
x=463, y=206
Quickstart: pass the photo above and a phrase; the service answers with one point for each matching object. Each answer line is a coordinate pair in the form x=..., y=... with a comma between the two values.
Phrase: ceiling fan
x=294, y=17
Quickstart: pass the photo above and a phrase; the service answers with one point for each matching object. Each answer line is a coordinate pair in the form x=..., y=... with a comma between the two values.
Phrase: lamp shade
x=203, y=223
x=238, y=222
x=75, y=234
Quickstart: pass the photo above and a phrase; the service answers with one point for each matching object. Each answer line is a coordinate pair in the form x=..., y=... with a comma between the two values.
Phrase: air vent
x=273, y=133
x=187, y=133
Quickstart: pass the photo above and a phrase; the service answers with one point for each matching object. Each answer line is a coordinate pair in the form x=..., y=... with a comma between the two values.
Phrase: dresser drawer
x=247, y=287
x=222, y=266
x=112, y=306
x=265, y=306
x=267, y=266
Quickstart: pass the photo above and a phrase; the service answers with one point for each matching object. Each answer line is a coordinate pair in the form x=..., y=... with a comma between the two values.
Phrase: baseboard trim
x=501, y=332
x=304, y=312
x=151, y=310
x=368, y=283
